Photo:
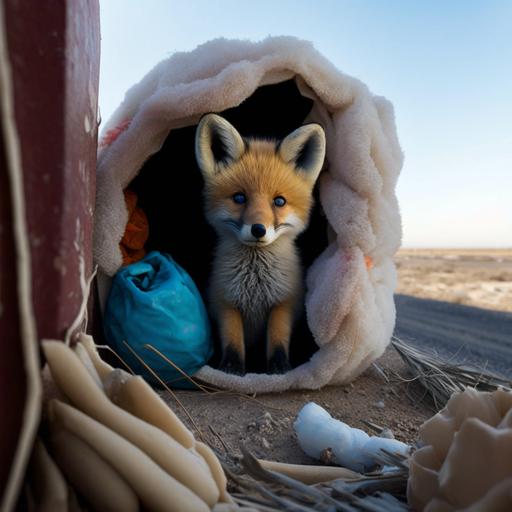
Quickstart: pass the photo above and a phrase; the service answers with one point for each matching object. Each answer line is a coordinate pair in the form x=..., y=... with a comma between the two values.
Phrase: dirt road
x=468, y=334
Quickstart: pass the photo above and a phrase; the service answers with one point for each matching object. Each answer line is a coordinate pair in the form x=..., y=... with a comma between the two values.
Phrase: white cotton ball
x=372, y=450
x=353, y=448
x=315, y=431
x=347, y=449
x=312, y=410
x=359, y=437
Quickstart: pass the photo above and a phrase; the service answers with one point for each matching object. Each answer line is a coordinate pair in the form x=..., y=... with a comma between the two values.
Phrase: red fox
x=258, y=197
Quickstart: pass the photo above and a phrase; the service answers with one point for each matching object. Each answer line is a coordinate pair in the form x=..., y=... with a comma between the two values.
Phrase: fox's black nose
x=258, y=230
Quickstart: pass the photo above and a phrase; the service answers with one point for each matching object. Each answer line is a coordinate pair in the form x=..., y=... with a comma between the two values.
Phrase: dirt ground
x=475, y=277
x=264, y=423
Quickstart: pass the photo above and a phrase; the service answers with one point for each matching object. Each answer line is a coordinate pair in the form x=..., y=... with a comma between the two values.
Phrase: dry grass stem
x=440, y=378
x=265, y=490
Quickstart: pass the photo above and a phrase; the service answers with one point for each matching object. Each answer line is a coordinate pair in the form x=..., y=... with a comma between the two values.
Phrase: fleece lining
x=349, y=303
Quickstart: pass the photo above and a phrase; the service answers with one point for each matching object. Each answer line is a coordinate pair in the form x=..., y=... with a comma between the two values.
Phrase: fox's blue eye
x=279, y=201
x=239, y=198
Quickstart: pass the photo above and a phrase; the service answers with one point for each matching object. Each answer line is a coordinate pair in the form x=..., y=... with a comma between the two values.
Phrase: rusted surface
x=54, y=58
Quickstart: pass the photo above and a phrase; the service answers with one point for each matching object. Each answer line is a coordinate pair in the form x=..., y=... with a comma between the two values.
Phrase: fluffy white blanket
x=349, y=301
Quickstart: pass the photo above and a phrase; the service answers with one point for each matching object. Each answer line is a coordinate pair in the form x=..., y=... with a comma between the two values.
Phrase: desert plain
x=474, y=277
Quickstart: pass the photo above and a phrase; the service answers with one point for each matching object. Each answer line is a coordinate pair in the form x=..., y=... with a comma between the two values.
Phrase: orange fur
x=262, y=176
x=279, y=327
x=232, y=330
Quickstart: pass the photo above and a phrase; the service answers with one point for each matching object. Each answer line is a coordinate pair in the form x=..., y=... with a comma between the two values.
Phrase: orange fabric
x=369, y=262
x=136, y=232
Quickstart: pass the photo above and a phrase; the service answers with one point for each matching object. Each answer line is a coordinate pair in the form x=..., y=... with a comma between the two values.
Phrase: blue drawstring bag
x=154, y=301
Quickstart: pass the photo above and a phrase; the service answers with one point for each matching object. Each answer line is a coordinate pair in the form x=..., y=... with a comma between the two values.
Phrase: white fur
x=350, y=309
x=291, y=224
x=274, y=276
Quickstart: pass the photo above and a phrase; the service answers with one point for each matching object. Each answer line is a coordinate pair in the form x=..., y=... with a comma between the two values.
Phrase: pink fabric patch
x=114, y=133
x=332, y=282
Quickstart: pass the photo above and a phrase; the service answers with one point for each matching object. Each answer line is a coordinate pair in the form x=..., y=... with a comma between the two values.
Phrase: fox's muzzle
x=258, y=230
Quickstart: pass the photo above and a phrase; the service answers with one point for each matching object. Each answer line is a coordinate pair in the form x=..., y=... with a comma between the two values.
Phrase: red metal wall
x=54, y=49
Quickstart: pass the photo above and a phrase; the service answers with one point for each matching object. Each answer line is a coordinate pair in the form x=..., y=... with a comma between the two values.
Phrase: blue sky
x=445, y=65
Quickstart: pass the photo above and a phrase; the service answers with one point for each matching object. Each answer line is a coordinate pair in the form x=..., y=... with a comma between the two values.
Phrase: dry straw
x=441, y=379
x=263, y=489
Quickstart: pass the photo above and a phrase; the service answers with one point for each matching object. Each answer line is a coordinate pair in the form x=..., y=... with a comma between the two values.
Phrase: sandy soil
x=475, y=277
x=264, y=423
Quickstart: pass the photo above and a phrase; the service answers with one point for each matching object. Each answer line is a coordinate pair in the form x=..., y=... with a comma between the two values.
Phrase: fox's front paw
x=278, y=362
x=232, y=362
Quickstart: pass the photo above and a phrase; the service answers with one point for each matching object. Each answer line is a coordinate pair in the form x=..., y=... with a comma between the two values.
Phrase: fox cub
x=258, y=197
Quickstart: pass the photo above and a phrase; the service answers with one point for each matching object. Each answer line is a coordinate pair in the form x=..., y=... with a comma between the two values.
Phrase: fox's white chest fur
x=254, y=279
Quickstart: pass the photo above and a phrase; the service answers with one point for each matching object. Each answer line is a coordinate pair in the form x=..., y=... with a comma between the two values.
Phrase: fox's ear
x=217, y=144
x=305, y=149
